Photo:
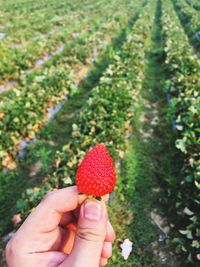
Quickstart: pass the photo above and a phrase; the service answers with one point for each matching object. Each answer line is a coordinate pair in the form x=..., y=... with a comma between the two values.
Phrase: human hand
x=39, y=241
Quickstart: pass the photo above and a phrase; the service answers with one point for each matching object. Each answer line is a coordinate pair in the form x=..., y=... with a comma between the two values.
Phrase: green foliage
x=14, y=182
x=104, y=115
x=190, y=19
x=108, y=112
x=23, y=109
x=183, y=84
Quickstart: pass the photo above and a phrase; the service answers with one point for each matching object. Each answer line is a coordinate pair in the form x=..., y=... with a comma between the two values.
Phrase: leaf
x=180, y=144
x=67, y=180
x=194, y=219
x=21, y=204
x=188, y=212
x=195, y=244
x=179, y=127
x=37, y=189
x=121, y=154
x=58, y=161
x=9, y=163
x=183, y=232
x=197, y=184
x=184, y=249
x=188, y=233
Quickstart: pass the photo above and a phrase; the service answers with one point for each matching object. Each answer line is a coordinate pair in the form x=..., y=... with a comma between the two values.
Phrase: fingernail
x=93, y=211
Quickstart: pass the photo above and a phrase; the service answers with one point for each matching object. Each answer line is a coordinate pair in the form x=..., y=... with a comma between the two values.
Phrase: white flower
x=126, y=247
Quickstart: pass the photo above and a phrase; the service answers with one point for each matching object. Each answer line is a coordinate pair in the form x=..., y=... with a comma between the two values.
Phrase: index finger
x=48, y=213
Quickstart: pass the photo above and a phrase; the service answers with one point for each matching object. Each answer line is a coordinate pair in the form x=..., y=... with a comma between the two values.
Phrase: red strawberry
x=96, y=174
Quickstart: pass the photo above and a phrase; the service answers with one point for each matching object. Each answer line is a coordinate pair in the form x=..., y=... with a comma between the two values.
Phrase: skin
x=39, y=241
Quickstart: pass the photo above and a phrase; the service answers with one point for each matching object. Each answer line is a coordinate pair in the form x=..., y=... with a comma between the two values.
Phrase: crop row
x=27, y=48
x=50, y=9
x=106, y=115
x=91, y=26
x=23, y=26
x=183, y=84
x=190, y=18
x=29, y=24
x=23, y=110
x=24, y=6
x=194, y=3
x=22, y=54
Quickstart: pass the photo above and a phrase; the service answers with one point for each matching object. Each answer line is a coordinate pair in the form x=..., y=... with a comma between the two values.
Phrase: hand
x=39, y=241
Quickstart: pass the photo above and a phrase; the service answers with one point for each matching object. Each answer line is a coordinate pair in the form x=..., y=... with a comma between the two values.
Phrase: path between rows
x=140, y=211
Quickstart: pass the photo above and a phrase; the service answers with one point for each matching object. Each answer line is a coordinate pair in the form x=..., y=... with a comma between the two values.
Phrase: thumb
x=90, y=236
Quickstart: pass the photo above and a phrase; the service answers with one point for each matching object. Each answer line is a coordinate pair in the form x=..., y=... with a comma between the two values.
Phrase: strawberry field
x=124, y=73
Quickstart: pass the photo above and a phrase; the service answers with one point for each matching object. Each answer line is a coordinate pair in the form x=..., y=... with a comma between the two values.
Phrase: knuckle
x=8, y=248
x=14, y=255
x=89, y=234
x=11, y=247
x=111, y=235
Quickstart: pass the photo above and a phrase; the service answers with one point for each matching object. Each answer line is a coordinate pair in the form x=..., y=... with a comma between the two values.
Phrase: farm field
x=125, y=73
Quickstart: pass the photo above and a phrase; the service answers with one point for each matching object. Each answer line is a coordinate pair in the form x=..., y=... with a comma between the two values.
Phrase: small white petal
x=126, y=247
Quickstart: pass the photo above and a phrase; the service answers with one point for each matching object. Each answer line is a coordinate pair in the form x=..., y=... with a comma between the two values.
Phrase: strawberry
x=96, y=174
